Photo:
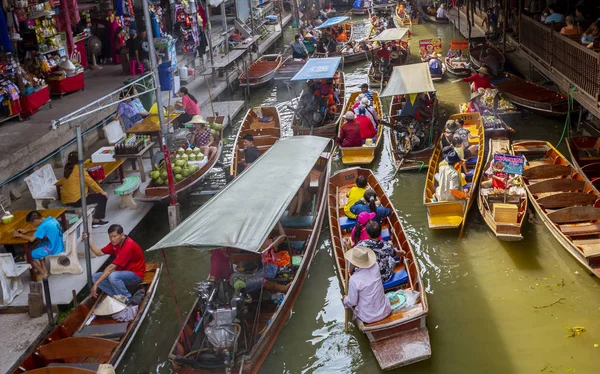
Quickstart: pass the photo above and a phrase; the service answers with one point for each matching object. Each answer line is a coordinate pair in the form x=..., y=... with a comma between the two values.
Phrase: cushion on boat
x=297, y=221
x=469, y=176
x=347, y=223
x=385, y=234
x=397, y=279
x=129, y=186
x=106, y=331
x=467, y=186
x=87, y=366
x=472, y=161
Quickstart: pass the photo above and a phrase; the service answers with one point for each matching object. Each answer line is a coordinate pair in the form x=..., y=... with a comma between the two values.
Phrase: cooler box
x=104, y=154
x=506, y=213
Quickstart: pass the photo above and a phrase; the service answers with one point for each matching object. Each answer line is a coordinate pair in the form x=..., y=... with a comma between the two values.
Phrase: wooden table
x=151, y=124
x=138, y=157
x=7, y=231
x=109, y=168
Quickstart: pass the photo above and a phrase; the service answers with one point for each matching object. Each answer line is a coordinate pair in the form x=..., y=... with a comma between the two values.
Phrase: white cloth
x=366, y=295
x=449, y=180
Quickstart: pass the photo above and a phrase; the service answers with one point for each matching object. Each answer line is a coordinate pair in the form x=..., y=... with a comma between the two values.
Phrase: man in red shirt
x=481, y=80
x=384, y=53
x=350, y=132
x=127, y=269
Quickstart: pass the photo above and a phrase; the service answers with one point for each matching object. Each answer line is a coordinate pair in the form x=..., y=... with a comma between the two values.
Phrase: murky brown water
x=482, y=292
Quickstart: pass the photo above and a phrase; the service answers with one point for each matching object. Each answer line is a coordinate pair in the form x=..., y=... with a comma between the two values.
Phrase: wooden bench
x=580, y=230
x=589, y=247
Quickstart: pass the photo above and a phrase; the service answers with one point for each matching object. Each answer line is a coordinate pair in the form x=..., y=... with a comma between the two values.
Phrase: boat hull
x=431, y=18
x=261, y=72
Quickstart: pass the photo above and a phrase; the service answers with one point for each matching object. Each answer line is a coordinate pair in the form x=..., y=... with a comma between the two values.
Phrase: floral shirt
x=385, y=256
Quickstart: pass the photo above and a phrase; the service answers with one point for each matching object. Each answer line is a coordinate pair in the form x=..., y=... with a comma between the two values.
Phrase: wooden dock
x=228, y=109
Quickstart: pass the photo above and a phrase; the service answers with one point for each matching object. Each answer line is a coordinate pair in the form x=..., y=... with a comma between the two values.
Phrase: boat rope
x=568, y=119
x=181, y=323
x=422, y=165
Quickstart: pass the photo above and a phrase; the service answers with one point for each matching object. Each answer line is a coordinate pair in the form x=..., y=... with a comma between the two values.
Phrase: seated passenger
x=347, y=49
x=367, y=129
x=365, y=290
x=356, y=193
x=359, y=232
x=342, y=36
x=384, y=250
x=465, y=135
x=449, y=179
x=350, y=132
x=357, y=101
x=369, y=111
x=370, y=203
x=48, y=239
x=435, y=64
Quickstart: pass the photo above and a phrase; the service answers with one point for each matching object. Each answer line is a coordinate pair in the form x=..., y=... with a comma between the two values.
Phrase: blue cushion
x=385, y=234
x=297, y=221
x=397, y=279
x=469, y=176
x=472, y=161
x=347, y=223
x=467, y=186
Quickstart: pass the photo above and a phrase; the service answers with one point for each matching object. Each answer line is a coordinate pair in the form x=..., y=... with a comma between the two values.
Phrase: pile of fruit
x=183, y=166
x=215, y=128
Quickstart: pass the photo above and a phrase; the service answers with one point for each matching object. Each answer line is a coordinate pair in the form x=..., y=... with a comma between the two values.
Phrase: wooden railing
x=561, y=55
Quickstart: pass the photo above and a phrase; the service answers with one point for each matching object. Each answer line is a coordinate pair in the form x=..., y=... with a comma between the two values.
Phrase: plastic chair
x=41, y=185
x=11, y=285
x=67, y=262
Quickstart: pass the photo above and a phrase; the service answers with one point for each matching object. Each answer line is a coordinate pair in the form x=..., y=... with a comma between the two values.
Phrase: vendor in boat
x=298, y=48
x=385, y=252
x=127, y=269
x=435, y=64
x=350, y=132
x=201, y=137
x=47, y=238
x=189, y=104
x=449, y=178
x=384, y=53
x=413, y=109
x=251, y=153
x=321, y=47
x=364, y=89
x=370, y=203
x=499, y=177
x=367, y=128
x=365, y=289
x=480, y=80
x=441, y=12
x=354, y=194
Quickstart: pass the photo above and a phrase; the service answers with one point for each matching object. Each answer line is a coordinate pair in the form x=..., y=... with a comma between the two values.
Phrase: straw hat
x=105, y=369
x=484, y=70
x=198, y=119
x=361, y=257
x=109, y=306
x=308, y=36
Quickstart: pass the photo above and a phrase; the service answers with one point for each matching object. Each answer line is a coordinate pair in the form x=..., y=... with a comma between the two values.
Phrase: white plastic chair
x=41, y=185
x=113, y=132
x=10, y=278
x=67, y=262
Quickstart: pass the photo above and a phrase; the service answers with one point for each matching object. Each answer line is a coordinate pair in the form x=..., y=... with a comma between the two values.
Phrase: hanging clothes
x=4, y=35
x=119, y=7
x=202, y=14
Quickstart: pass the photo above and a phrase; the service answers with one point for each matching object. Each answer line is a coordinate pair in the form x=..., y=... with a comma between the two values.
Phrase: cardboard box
x=506, y=213
x=104, y=154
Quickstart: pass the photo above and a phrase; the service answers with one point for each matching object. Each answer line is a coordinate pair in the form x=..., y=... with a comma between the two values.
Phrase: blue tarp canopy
x=331, y=22
x=318, y=68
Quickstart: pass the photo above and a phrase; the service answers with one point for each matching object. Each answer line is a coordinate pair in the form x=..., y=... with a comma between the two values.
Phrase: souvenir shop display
x=166, y=47
x=67, y=78
x=10, y=105
x=187, y=26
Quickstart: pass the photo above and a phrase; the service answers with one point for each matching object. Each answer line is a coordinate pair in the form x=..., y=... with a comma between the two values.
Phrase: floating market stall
x=427, y=49
x=458, y=60
x=380, y=70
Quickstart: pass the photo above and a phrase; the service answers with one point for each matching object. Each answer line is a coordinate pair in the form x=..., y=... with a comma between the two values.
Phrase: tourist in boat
x=342, y=36
x=251, y=153
x=298, y=48
x=465, y=135
x=448, y=134
x=357, y=101
x=364, y=88
x=459, y=148
x=367, y=128
x=321, y=47
x=368, y=110
x=189, y=104
x=554, y=16
x=354, y=194
x=370, y=203
x=348, y=49
x=592, y=33
x=359, y=231
x=47, y=240
x=350, y=132
x=480, y=80
x=441, y=12
x=126, y=270
x=491, y=62
x=435, y=64
x=579, y=14
x=571, y=28
x=202, y=138
x=70, y=192
x=449, y=178
x=383, y=249
x=365, y=289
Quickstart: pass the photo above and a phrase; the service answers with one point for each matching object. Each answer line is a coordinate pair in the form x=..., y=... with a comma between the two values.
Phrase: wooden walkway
x=476, y=31
x=229, y=109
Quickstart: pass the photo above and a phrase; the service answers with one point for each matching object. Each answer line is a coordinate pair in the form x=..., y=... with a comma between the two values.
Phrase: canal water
x=489, y=300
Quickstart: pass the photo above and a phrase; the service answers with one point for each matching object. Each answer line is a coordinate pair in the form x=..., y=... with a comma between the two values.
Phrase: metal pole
x=86, y=242
x=48, y=299
x=251, y=17
x=224, y=16
x=210, y=45
x=281, y=15
x=161, y=119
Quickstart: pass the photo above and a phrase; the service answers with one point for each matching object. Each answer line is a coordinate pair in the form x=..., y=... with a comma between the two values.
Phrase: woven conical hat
x=109, y=306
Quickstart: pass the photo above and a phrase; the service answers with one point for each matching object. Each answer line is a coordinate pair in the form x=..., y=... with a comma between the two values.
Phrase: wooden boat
x=366, y=154
x=153, y=192
x=458, y=60
x=585, y=154
x=394, y=36
x=565, y=201
x=452, y=214
x=255, y=323
x=425, y=55
x=262, y=71
x=265, y=133
x=424, y=10
x=532, y=96
x=402, y=19
x=507, y=221
x=329, y=128
x=288, y=68
x=479, y=51
x=401, y=338
x=83, y=341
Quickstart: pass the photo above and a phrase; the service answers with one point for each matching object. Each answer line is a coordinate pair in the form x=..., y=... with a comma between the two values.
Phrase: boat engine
x=410, y=137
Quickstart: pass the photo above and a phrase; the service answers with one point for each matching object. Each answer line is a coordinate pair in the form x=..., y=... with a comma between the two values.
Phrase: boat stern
x=445, y=215
x=401, y=350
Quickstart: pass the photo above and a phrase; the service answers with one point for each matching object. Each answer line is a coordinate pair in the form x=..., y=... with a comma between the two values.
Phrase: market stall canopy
x=245, y=212
x=409, y=79
x=332, y=22
x=389, y=35
x=318, y=68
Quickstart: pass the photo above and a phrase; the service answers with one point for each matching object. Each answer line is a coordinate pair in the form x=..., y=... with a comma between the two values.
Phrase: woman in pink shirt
x=359, y=232
x=189, y=104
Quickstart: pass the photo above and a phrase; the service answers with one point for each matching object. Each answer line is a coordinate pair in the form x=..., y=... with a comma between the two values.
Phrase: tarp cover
x=409, y=79
x=332, y=21
x=387, y=35
x=318, y=68
x=245, y=212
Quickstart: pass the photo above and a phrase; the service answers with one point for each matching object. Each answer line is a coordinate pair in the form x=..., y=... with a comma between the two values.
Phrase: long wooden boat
x=329, y=128
x=585, y=155
x=366, y=154
x=452, y=214
x=479, y=51
x=423, y=9
x=288, y=68
x=414, y=160
x=83, y=341
x=402, y=19
x=248, y=328
x=375, y=76
x=532, y=96
x=462, y=70
x=266, y=131
x=503, y=213
x=262, y=71
x=401, y=338
x=350, y=58
x=565, y=201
